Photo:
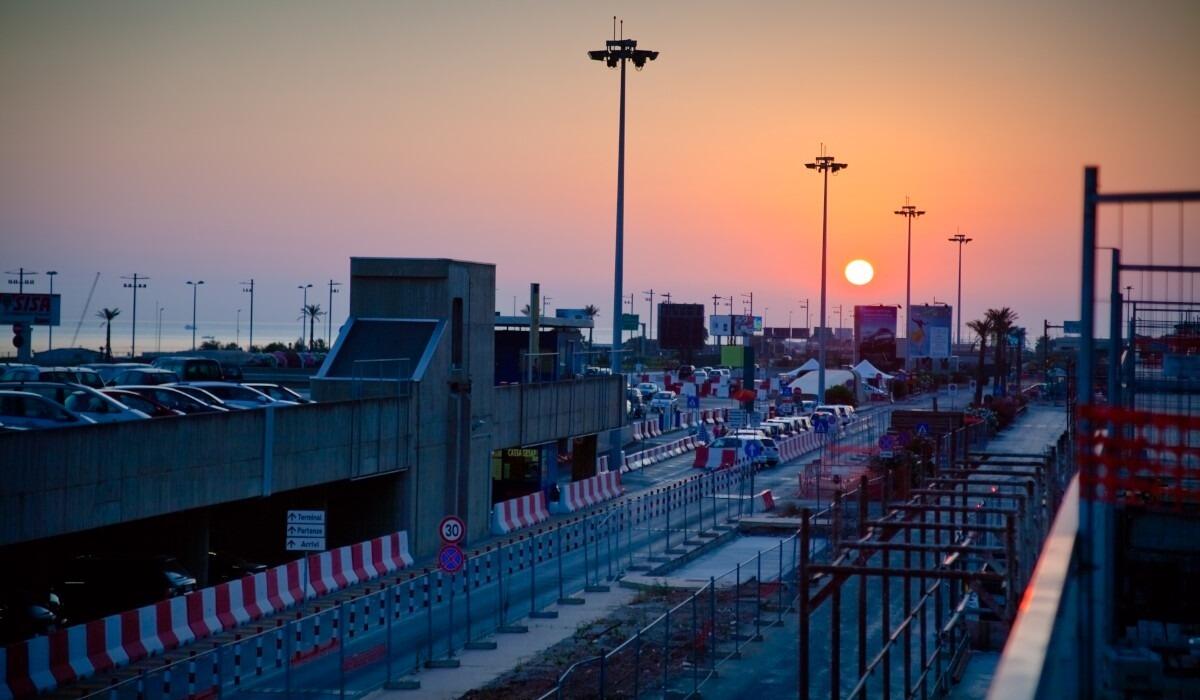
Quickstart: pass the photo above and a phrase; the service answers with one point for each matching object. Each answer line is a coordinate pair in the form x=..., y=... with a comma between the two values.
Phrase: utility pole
x=135, y=282
x=545, y=300
x=824, y=164
x=333, y=289
x=304, y=314
x=748, y=298
x=909, y=212
x=21, y=274
x=716, y=300
x=50, y=326
x=158, y=328
x=195, y=286
x=616, y=53
x=961, y=240
x=806, y=318
x=838, y=309
x=650, y=298
x=249, y=287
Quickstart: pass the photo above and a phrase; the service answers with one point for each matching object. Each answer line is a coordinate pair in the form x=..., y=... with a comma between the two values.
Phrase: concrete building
x=409, y=426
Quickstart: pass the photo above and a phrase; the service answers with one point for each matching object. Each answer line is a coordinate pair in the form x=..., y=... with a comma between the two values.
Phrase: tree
x=108, y=315
x=839, y=395
x=983, y=328
x=1002, y=320
x=592, y=312
x=312, y=312
x=525, y=310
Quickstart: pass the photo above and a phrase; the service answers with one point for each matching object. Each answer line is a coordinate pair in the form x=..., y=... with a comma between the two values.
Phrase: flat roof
x=544, y=322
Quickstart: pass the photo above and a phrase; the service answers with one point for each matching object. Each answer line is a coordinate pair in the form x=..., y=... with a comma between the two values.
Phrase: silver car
x=24, y=409
x=80, y=399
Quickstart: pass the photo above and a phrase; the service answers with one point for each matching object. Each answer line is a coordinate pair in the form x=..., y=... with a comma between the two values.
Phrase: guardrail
x=405, y=622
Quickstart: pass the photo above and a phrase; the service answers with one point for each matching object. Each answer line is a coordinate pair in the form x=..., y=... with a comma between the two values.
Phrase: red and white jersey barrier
x=44, y=663
x=517, y=513
x=589, y=492
x=714, y=458
x=767, y=499
x=657, y=453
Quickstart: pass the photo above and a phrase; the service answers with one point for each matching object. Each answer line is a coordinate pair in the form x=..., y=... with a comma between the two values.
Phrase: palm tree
x=108, y=315
x=592, y=312
x=312, y=312
x=1002, y=320
x=982, y=328
x=525, y=310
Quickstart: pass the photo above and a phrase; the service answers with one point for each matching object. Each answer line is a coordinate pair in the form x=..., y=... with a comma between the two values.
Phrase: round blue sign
x=451, y=558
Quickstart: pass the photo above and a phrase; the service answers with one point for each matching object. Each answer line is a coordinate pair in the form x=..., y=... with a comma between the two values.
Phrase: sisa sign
x=33, y=309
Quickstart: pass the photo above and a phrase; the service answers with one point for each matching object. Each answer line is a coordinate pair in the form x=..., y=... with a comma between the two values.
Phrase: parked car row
x=34, y=397
x=92, y=586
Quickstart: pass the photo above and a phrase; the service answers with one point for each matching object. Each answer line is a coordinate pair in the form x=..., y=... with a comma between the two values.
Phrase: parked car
x=204, y=396
x=686, y=372
x=844, y=413
x=700, y=376
x=82, y=400
x=26, y=613
x=24, y=409
x=664, y=402
x=96, y=585
x=226, y=566
x=174, y=397
x=150, y=407
x=277, y=392
x=597, y=371
x=192, y=369
x=107, y=370
x=239, y=395
x=647, y=390
x=73, y=375
x=143, y=376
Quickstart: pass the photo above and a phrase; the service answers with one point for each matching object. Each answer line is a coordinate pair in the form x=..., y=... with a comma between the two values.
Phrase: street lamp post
x=50, y=327
x=909, y=212
x=158, y=329
x=961, y=240
x=303, y=311
x=195, y=286
x=649, y=319
x=618, y=52
x=135, y=283
x=825, y=164
x=806, y=316
x=329, y=314
x=249, y=287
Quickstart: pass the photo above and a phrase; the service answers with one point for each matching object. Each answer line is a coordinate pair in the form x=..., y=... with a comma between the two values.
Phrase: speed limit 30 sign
x=452, y=530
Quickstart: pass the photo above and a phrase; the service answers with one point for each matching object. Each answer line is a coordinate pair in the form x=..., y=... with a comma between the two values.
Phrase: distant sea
x=172, y=337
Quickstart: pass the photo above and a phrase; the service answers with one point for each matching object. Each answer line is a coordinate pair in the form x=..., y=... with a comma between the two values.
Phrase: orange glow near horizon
x=279, y=140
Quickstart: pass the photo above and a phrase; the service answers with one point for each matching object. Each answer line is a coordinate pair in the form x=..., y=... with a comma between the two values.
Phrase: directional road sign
x=452, y=529
x=819, y=425
x=304, y=531
x=753, y=449
x=451, y=558
x=922, y=429
x=306, y=544
x=693, y=401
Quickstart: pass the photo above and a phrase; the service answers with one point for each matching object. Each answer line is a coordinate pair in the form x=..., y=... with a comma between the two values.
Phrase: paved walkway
x=480, y=668
x=1035, y=430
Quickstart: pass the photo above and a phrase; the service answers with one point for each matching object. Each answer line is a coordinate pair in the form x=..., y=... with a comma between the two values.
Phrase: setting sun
x=859, y=272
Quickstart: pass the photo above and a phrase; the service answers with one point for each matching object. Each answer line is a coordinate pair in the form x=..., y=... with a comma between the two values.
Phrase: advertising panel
x=875, y=335
x=738, y=324
x=930, y=331
x=34, y=309
x=681, y=326
x=572, y=314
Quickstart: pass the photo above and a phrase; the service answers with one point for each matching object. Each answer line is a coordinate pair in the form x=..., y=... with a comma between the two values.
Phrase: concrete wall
x=55, y=482
x=527, y=414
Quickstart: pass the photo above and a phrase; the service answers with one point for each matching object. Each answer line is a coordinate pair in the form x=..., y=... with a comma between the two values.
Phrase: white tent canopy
x=866, y=370
x=807, y=384
x=808, y=366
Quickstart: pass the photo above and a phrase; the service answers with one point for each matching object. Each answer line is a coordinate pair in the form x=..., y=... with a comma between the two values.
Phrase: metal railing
x=377, y=634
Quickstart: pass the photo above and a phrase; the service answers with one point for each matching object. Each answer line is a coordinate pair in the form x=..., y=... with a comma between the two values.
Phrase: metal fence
x=375, y=635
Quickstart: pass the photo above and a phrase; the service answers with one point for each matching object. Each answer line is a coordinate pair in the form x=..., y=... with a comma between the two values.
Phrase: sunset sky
x=274, y=140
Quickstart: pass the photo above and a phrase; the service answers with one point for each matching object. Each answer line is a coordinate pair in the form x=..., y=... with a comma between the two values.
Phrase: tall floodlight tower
x=825, y=164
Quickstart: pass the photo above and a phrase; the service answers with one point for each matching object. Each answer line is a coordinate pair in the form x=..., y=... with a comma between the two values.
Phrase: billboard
x=572, y=314
x=680, y=326
x=929, y=332
x=630, y=322
x=875, y=335
x=739, y=324
x=34, y=309
x=784, y=332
